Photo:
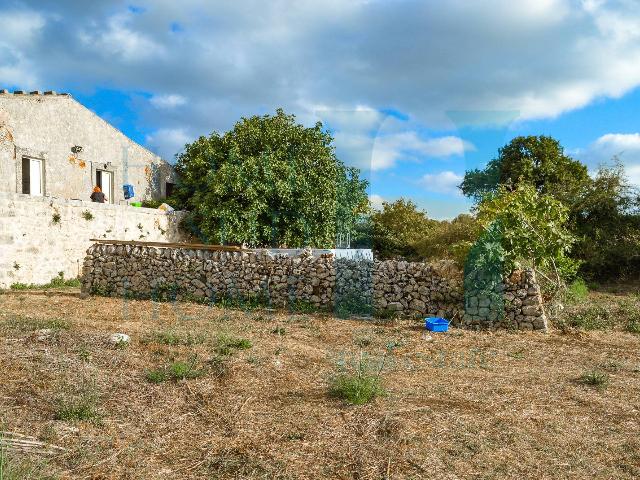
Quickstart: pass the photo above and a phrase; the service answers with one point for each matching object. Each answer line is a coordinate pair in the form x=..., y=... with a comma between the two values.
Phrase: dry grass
x=458, y=405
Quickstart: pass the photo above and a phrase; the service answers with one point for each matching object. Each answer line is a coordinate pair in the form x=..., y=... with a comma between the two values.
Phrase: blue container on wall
x=128, y=191
x=436, y=324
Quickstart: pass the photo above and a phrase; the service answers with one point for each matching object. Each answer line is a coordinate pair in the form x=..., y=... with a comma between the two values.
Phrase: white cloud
x=537, y=57
x=167, y=142
x=120, y=39
x=388, y=149
x=168, y=101
x=443, y=182
x=623, y=146
x=376, y=201
x=19, y=30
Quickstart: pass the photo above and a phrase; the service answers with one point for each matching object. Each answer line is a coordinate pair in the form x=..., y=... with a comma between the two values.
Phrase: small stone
x=119, y=339
x=43, y=334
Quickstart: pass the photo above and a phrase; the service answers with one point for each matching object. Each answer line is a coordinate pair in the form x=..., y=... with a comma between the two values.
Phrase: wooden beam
x=190, y=246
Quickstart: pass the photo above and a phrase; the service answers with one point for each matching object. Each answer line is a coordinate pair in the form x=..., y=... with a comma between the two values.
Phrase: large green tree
x=535, y=160
x=269, y=182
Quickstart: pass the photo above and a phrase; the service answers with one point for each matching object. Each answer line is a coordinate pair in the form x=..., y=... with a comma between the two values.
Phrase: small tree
x=398, y=227
x=533, y=230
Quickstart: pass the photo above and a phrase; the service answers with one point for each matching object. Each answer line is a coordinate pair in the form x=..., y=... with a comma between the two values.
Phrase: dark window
x=169, y=189
x=26, y=176
x=99, y=178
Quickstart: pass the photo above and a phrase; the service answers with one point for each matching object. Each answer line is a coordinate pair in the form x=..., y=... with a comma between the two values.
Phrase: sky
x=414, y=92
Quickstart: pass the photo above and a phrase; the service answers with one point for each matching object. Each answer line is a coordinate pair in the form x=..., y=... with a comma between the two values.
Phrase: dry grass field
x=207, y=393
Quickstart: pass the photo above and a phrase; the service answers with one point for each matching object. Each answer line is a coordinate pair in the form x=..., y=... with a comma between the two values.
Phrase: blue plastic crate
x=436, y=324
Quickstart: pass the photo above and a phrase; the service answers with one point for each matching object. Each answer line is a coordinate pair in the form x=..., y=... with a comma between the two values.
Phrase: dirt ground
x=459, y=404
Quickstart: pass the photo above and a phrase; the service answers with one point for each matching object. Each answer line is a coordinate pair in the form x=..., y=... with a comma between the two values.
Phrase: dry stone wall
x=324, y=282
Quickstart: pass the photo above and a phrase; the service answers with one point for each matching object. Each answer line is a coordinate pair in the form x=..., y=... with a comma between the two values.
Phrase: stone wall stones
x=405, y=288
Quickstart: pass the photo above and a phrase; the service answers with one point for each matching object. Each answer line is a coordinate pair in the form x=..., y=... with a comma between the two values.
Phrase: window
x=32, y=176
x=169, y=189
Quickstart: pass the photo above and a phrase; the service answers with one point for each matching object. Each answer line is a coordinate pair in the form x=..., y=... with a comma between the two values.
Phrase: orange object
x=97, y=189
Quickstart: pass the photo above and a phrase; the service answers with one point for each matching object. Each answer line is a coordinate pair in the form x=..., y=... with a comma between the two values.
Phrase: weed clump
x=595, y=378
x=358, y=383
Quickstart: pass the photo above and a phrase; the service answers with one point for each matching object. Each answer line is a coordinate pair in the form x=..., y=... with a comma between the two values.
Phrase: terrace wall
x=410, y=289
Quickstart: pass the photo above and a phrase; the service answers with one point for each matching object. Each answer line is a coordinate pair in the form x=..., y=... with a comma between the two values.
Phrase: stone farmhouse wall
x=404, y=288
x=47, y=126
x=34, y=246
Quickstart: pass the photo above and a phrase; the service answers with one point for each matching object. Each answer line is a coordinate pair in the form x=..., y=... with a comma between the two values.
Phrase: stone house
x=53, y=151
x=53, y=146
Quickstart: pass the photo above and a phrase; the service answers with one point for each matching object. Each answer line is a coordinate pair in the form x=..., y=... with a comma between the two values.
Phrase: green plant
x=358, y=383
x=279, y=331
x=87, y=215
x=595, y=378
x=16, y=266
x=78, y=403
x=175, y=371
x=577, y=290
x=226, y=344
x=22, y=468
x=171, y=337
x=56, y=282
x=152, y=203
x=633, y=326
x=268, y=181
x=55, y=218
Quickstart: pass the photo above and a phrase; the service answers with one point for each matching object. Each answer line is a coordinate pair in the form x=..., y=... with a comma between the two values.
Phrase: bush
x=449, y=239
x=175, y=371
x=577, y=290
x=359, y=384
x=151, y=203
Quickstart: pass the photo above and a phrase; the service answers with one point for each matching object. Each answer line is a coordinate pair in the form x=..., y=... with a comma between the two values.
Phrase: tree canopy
x=536, y=160
x=397, y=228
x=269, y=182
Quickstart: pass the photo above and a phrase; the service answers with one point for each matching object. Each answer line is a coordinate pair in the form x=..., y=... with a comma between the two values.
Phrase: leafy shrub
x=449, y=239
x=397, y=228
x=577, y=290
x=56, y=282
x=358, y=384
x=152, y=203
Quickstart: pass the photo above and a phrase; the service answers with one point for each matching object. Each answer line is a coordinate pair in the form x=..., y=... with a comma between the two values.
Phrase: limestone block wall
x=410, y=289
x=41, y=236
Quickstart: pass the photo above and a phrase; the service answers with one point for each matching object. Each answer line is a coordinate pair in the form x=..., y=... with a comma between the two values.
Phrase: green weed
x=595, y=378
x=358, y=384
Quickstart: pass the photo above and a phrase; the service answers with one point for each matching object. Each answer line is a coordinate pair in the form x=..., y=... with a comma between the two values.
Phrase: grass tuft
x=595, y=378
x=359, y=384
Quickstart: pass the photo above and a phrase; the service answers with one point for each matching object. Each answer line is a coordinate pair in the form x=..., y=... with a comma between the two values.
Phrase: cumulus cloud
x=376, y=201
x=623, y=146
x=167, y=142
x=168, y=101
x=443, y=182
x=536, y=57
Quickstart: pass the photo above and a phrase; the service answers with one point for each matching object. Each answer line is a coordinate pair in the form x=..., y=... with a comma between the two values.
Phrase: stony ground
x=459, y=405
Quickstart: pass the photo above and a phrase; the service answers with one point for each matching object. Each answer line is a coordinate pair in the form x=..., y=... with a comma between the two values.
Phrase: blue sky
x=415, y=92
